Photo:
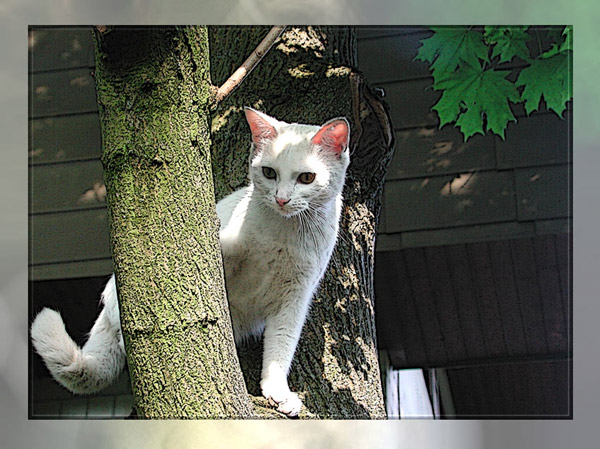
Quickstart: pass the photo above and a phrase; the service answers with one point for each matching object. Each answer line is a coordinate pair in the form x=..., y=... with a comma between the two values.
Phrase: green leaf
x=547, y=78
x=564, y=43
x=448, y=47
x=567, y=45
x=508, y=42
x=470, y=122
x=471, y=94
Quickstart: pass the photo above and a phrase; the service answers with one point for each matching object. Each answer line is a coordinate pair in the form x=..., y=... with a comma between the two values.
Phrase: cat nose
x=282, y=201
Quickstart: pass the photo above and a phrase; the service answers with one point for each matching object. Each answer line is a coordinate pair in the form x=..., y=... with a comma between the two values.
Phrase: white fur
x=274, y=258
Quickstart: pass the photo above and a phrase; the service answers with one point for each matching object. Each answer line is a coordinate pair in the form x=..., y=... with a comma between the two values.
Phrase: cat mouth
x=285, y=211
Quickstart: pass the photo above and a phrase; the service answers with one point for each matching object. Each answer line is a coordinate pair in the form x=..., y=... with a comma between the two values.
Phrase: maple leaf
x=561, y=47
x=567, y=45
x=547, y=78
x=508, y=42
x=448, y=47
x=471, y=94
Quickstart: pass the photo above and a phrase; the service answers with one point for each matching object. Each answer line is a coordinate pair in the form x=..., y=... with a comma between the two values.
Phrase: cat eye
x=269, y=173
x=306, y=178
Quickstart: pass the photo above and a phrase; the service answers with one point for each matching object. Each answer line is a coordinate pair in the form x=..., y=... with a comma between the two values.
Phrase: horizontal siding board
x=46, y=409
x=462, y=234
x=446, y=201
x=410, y=103
x=370, y=32
x=541, y=139
x=101, y=407
x=70, y=270
x=60, y=48
x=65, y=139
x=67, y=237
x=123, y=405
x=543, y=192
x=391, y=58
x=74, y=408
x=554, y=226
x=431, y=151
x=66, y=187
x=65, y=92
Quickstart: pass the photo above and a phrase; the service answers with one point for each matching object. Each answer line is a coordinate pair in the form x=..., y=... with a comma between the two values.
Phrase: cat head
x=297, y=167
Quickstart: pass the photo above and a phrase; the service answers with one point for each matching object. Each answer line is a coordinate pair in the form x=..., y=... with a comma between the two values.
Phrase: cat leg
x=282, y=332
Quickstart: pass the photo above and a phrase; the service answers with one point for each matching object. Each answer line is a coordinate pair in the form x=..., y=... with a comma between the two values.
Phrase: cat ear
x=333, y=135
x=261, y=125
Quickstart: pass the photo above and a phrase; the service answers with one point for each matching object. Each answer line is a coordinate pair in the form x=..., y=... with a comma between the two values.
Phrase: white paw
x=280, y=395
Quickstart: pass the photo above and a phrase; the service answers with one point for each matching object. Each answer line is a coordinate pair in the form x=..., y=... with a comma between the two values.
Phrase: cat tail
x=95, y=366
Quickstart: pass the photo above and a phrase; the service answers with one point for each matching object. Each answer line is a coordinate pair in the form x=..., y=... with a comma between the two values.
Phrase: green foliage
x=473, y=68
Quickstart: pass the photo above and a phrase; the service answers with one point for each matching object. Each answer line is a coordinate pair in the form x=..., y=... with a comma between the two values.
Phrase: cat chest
x=257, y=277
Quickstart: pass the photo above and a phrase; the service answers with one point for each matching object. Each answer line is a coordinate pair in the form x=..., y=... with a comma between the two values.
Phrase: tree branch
x=249, y=64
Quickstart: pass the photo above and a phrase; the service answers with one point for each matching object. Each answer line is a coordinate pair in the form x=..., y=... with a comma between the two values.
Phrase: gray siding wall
x=441, y=190
x=67, y=205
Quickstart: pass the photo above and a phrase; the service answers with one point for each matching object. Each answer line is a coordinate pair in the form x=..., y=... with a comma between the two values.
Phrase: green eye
x=306, y=178
x=269, y=173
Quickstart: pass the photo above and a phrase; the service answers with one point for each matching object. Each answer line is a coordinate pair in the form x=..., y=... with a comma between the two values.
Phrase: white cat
x=276, y=235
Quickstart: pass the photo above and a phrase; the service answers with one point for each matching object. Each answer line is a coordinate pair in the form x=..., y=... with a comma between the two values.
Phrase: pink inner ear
x=259, y=126
x=333, y=136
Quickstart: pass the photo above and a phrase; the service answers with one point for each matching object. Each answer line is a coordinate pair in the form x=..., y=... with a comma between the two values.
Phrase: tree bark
x=307, y=77
x=153, y=95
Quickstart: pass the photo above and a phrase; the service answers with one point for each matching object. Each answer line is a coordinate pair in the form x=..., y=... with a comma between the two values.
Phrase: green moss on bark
x=153, y=88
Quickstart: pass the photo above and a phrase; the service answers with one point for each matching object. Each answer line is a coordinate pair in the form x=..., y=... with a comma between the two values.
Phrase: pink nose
x=282, y=201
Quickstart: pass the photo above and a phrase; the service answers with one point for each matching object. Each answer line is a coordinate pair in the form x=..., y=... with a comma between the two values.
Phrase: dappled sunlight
x=462, y=184
x=439, y=151
x=442, y=148
x=80, y=81
x=96, y=194
x=221, y=118
x=75, y=47
x=300, y=71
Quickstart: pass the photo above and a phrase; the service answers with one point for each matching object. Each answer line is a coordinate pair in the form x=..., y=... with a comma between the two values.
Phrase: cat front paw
x=280, y=396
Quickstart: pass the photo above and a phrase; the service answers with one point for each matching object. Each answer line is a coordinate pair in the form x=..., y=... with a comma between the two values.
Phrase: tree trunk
x=307, y=77
x=153, y=95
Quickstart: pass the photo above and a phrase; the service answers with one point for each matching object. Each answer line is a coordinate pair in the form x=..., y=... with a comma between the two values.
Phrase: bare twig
x=249, y=64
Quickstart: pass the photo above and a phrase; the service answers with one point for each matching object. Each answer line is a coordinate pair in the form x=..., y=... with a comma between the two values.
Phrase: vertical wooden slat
x=445, y=302
x=529, y=295
x=466, y=300
x=488, y=306
x=563, y=244
x=508, y=299
x=397, y=323
x=462, y=402
x=550, y=292
x=413, y=333
x=426, y=307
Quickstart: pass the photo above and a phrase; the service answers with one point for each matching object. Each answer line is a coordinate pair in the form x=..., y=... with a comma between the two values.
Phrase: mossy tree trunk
x=308, y=77
x=153, y=95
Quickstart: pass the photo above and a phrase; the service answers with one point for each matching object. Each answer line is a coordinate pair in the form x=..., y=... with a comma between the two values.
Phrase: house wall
x=442, y=190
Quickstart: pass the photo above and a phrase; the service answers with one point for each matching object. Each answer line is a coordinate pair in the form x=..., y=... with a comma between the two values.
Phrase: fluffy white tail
x=91, y=368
